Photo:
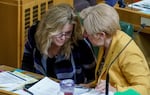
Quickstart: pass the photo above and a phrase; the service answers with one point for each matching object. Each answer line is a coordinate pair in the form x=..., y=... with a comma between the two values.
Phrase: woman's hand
x=102, y=85
x=85, y=85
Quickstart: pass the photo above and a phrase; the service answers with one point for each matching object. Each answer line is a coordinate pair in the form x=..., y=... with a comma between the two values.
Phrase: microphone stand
x=107, y=75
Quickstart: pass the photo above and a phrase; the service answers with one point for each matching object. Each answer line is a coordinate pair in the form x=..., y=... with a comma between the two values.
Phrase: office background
x=17, y=15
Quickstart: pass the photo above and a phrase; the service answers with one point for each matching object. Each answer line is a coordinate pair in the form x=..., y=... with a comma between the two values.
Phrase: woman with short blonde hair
x=120, y=60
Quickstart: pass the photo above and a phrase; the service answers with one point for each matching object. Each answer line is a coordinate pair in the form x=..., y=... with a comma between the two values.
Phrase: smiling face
x=62, y=37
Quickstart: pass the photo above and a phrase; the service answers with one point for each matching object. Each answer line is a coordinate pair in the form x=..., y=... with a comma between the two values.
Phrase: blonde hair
x=54, y=20
x=100, y=18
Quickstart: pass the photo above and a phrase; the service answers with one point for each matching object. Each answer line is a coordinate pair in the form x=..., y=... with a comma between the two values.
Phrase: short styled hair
x=100, y=18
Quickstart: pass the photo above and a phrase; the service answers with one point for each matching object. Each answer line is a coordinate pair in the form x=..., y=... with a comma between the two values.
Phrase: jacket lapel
x=116, y=46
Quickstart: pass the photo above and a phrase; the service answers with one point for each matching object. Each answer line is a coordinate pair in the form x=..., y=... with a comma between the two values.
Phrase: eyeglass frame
x=66, y=34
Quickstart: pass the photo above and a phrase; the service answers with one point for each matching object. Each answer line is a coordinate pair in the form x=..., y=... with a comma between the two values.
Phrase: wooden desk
x=133, y=16
x=7, y=68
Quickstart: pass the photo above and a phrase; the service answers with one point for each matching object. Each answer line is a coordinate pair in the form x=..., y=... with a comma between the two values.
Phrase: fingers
x=101, y=86
x=85, y=85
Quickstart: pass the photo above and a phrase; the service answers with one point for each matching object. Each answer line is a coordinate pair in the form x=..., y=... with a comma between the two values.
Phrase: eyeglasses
x=66, y=34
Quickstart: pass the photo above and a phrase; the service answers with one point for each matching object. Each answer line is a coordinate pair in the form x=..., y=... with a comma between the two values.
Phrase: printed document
x=45, y=86
x=143, y=5
x=93, y=92
x=14, y=80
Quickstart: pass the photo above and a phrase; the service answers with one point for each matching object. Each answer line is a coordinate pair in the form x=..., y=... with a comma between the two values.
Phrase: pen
x=26, y=90
x=17, y=76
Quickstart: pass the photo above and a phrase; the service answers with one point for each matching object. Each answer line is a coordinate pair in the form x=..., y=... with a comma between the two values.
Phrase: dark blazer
x=80, y=67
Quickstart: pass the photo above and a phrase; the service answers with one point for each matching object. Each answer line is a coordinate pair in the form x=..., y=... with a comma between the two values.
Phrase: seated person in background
x=109, y=2
x=119, y=55
x=81, y=4
x=56, y=48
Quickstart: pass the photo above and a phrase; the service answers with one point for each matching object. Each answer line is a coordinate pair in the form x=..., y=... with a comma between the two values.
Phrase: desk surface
x=7, y=68
x=133, y=16
x=34, y=75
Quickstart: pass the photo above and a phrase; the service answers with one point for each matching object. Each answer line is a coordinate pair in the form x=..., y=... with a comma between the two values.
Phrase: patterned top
x=80, y=67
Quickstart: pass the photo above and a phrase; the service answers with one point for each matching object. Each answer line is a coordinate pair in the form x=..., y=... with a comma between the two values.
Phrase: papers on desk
x=45, y=86
x=14, y=80
x=21, y=92
x=143, y=6
x=93, y=92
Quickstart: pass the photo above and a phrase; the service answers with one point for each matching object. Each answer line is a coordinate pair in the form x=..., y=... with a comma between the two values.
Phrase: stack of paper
x=45, y=86
x=143, y=6
x=11, y=81
x=93, y=92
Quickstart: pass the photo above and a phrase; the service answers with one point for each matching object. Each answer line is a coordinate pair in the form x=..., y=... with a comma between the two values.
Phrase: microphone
x=107, y=75
x=121, y=3
x=141, y=28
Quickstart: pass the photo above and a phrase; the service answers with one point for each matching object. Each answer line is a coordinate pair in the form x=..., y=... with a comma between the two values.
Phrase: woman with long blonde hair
x=56, y=48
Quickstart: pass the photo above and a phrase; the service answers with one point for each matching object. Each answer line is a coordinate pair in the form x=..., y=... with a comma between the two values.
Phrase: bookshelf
x=15, y=18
